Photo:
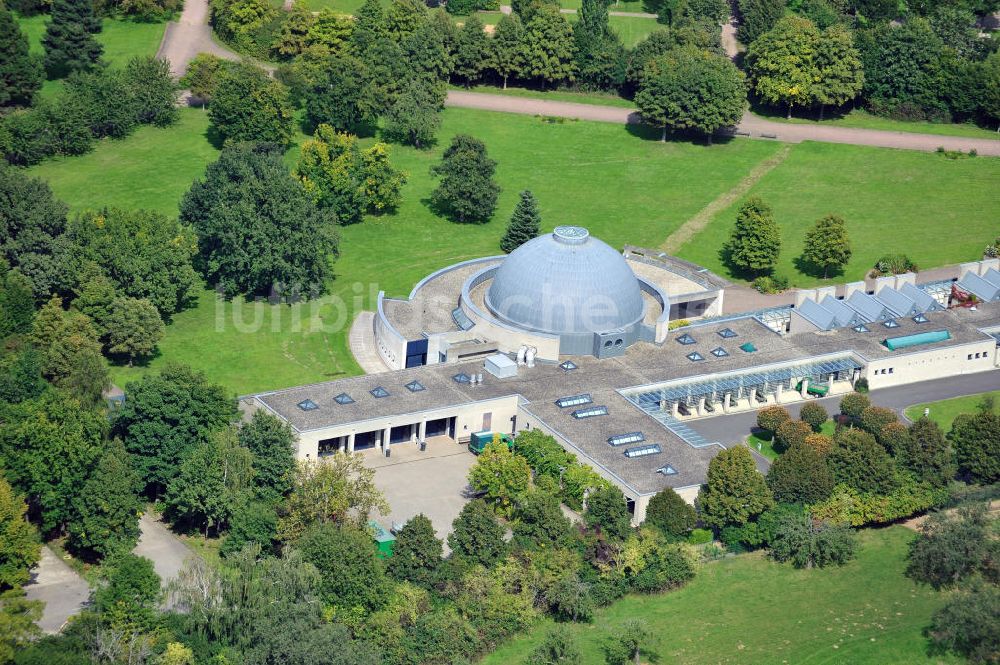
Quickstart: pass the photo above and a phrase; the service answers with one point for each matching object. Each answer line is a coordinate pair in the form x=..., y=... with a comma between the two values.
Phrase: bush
x=770, y=284
x=771, y=417
x=789, y=433
x=800, y=476
x=852, y=404
x=874, y=418
x=821, y=443
x=893, y=264
x=807, y=544
x=849, y=506
x=814, y=414
x=861, y=385
x=700, y=536
x=607, y=508
x=559, y=645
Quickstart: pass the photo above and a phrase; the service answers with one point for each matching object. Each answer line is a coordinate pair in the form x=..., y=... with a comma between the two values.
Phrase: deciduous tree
x=782, y=63
x=976, y=439
x=558, y=648
x=790, y=433
x=416, y=555
x=966, y=625
x=806, y=544
x=841, y=76
x=735, y=492
x=272, y=444
x=414, y=115
x=756, y=239
x=853, y=405
x=858, y=461
x=506, y=56
x=800, y=475
x=249, y=106
x=202, y=76
x=690, y=88
x=671, y=514
x=477, y=536
x=467, y=191
x=167, y=414
x=540, y=522
x=926, y=453
x=502, y=476
x=953, y=547
x=828, y=245
x=339, y=96
x=814, y=414
x=107, y=509
x=607, y=509
x=757, y=17
x=20, y=548
x=471, y=50
x=251, y=522
x=352, y=575
x=258, y=230
x=548, y=48
x=134, y=328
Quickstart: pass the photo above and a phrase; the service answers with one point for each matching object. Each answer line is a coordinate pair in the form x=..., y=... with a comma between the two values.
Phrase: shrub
x=893, y=264
x=861, y=385
x=800, y=476
x=859, y=461
x=789, y=433
x=671, y=514
x=771, y=417
x=853, y=404
x=849, y=506
x=814, y=414
x=821, y=443
x=807, y=544
x=874, y=418
x=770, y=284
x=700, y=536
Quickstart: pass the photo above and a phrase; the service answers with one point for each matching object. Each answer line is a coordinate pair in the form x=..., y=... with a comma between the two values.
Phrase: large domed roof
x=566, y=282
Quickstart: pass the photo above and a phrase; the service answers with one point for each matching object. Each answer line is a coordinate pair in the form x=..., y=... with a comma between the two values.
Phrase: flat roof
x=642, y=364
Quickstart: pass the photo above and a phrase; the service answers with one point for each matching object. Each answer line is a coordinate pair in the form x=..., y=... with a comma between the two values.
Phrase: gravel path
x=755, y=126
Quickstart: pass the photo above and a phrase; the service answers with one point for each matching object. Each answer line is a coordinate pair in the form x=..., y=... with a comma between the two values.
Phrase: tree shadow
x=638, y=129
x=807, y=267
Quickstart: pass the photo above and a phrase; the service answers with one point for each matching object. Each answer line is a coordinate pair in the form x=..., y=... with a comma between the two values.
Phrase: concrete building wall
x=932, y=364
x=390, y=344
x=468, y=419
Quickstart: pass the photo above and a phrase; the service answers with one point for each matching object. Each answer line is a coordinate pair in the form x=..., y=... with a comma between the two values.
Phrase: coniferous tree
x=467, y=191
x=107, y=510
x=506, y=56
x=756, y=239
x=369, y=26
x=20, y=72
x=69, y=38
x=828, y=245
x=524, y=224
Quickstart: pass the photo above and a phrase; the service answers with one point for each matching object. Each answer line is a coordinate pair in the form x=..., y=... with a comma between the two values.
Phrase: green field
x=864, y=120
x=892, y=201
x=945, y=411
x=625, y=187
x=749, y=610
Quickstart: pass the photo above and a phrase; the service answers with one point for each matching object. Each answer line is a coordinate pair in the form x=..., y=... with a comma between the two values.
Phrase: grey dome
x=566, y=282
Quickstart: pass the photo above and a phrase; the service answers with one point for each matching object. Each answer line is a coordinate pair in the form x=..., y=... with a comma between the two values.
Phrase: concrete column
x=829, y=381
x=777, y=393
x=804, y=390
x=350, y=442
x=726, y=402
x=385, y=437
x=422, y=435
x=413, y=433
x=701, y=406
x=739, y=392
x=753, y=398
x=663, y=405
x=675, y=410
x=341, y=443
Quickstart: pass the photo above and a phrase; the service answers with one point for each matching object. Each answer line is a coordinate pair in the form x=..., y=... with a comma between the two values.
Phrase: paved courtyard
x=433, y=482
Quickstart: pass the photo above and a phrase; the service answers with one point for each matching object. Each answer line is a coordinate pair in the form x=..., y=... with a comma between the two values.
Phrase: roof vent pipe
x=521, y=353
x=530, y=356
x=479, y=378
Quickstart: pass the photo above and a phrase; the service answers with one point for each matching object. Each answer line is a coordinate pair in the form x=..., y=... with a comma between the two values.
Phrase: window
x=622, y=439
x=890, y=323
x=379, y=392
x=343, y=399
x=970, y=357
x=719, y=352
x=573, y=400
x=727, y=333
x=861, y=328
x=642, y=451
x=686, y=339
x=307, y=405
x=461, y=378
x=567, y=365
x=415, y=386
x=590, y=412
x=920, y=318
x=890, y=370
x=695, y=357
x=667, y=470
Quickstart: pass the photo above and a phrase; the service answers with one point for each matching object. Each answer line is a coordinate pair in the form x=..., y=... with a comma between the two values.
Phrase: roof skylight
x=727, y=333
x=622, y=439
x=343, y=399
x=415, y=386
x=307, y=405
x=379, y=392
x=686, y=339
x=642, y=451
x=920, y=318
x=890, y=323
x=667, y=470
x=695, y=356
x=590, y=412
x=461, y=377
x=567, y=365
x=861, y=328
x=719, y=352
x=574, y=400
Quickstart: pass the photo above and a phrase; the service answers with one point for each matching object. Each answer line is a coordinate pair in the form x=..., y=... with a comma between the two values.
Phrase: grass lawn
x=594, y=98
x=568, y=166
x=892, y=200
x=620, y=6
x=945, y=411
x=121, y=39
x=631, y=29
x=766, y=443
x=749, y=609
x=864, y=120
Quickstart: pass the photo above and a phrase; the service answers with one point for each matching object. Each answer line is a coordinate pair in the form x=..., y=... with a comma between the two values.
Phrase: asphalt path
x=733, y=429
x=57, y=585
x=167, y=552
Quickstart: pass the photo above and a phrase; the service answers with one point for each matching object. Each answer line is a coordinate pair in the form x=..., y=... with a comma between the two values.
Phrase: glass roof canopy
x=731, y=382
